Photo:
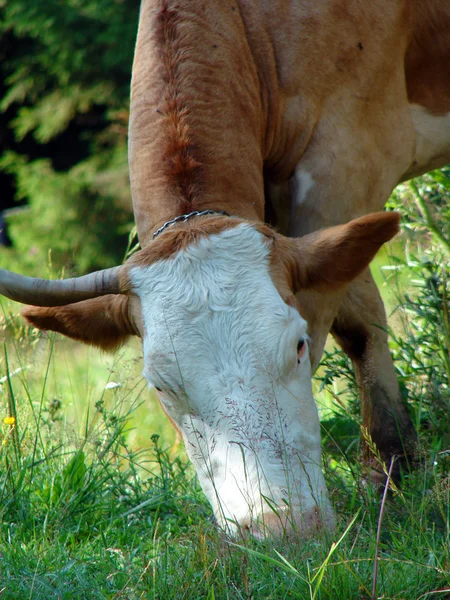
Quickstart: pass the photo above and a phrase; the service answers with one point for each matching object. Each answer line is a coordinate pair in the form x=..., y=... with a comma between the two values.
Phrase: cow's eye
x=301, y=348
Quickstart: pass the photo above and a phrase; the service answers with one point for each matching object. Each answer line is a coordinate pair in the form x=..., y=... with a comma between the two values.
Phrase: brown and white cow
x=306, y=113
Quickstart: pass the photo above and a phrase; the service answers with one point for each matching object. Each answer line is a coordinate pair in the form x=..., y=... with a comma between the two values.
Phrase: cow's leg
x=360, y=328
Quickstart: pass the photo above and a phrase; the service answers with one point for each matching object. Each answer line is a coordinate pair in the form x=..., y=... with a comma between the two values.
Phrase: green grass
x=98, y=500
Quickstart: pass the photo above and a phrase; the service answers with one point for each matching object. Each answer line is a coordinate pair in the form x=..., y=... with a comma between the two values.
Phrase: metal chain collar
x=183, y=218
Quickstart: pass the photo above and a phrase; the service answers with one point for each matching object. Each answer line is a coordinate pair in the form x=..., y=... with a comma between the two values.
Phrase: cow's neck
x=196, y=123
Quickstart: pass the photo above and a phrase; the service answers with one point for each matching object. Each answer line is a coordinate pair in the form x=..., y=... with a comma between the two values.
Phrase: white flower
x=112, y=385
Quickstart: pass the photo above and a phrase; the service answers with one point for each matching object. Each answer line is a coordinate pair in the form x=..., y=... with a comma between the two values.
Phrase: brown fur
x=330, y=258
x=221, y=91
x=181, y=156
x=105, y=322
x=195, y=123
x=180, y=236
x=427, y=61
x=360, y=329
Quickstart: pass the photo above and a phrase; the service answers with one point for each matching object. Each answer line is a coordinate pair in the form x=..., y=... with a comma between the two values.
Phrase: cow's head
x=226, y=347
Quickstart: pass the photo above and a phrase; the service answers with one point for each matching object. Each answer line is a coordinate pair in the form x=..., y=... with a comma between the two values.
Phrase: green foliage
x=425, y=205
x=56, y=35
x=91, y=515
x=74, y=214
x=422, y=353
x=66, y=69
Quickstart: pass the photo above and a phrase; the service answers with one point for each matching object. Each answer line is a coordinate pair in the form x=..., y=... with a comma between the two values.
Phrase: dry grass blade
x=433, y=593
x=380, y=521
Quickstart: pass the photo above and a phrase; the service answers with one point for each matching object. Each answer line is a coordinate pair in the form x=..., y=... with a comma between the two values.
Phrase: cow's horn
x=42, y=292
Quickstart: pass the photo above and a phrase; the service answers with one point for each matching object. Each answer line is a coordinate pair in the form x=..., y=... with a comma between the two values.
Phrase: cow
x=264, y=139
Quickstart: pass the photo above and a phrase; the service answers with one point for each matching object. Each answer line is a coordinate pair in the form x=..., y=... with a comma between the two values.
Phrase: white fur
x=222, y=346
x=302, y=184
x=432, y=139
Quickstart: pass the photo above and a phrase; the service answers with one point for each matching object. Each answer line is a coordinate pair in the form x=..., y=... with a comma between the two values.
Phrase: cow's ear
x=105, y=322
x=330, y=258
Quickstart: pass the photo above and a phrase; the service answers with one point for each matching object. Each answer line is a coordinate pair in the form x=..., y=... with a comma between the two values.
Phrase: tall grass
x=97, y=498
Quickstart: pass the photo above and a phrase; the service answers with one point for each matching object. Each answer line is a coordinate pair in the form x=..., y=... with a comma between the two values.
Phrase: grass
x=98, y=500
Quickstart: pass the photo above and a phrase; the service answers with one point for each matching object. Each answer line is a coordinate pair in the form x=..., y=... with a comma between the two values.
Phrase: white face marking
x=432, y=140
x=221, y=344
x=302, y=184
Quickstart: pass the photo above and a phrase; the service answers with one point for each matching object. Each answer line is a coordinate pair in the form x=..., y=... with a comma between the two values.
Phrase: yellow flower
x=9, y=420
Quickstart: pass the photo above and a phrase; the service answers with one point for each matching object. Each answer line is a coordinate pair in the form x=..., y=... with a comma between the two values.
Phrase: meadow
x=98, y=500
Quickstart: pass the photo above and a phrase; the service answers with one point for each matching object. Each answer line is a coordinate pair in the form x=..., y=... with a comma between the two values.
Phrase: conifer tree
x=65, y=67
